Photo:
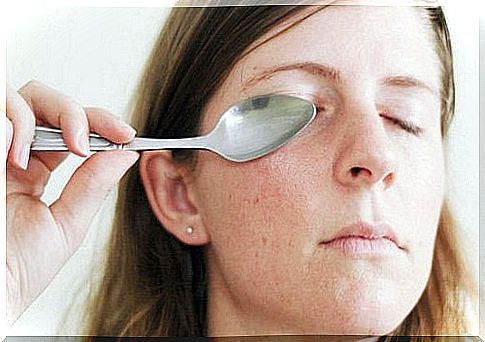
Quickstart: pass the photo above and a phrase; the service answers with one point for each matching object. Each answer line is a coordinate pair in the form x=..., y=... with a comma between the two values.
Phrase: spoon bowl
x=260, y=125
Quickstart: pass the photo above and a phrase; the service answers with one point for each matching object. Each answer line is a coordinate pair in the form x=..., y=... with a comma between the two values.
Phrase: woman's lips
x=363, y=239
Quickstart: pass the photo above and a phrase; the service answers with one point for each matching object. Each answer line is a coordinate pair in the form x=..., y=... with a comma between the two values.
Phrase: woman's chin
x=367, y=315
x=372, y=319
x=375, y=327
x=362, y=326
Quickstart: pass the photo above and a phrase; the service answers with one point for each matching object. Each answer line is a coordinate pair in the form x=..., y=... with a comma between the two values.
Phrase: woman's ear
x=170, y=193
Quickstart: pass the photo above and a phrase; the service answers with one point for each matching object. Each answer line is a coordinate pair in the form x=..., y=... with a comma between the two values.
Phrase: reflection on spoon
x=246, y=131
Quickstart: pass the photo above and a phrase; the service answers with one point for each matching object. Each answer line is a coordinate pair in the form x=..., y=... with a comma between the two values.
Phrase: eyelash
x=320, y=108
x=408, y=126
x=324, y=108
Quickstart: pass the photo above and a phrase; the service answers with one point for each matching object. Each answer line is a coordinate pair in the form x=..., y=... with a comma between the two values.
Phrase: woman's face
x=334, y=232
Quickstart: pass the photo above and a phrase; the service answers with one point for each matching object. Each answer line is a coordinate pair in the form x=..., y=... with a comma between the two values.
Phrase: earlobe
x=170, y=193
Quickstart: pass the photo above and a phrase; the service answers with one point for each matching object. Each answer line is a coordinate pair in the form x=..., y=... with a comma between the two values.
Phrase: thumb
x=86, y=190
x=9, y=134
x=8, y=143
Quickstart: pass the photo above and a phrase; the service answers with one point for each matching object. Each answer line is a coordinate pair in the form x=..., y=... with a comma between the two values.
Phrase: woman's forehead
x=323, y=30
x=352, y=40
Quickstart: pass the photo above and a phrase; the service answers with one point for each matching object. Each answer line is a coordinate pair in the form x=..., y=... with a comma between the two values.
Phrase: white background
x=96, y=55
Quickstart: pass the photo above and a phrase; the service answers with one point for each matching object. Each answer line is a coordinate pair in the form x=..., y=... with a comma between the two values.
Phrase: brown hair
x=153, y=284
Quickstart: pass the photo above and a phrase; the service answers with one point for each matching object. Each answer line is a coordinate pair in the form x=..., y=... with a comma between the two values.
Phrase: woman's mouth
x=362, y=239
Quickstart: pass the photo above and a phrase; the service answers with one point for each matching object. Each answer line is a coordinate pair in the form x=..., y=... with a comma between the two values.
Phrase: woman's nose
x=366, y=158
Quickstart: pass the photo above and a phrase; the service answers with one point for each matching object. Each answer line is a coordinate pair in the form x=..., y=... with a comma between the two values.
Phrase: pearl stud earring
x=189, y=230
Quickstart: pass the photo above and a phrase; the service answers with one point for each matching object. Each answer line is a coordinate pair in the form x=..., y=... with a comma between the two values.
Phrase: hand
x=41, y=238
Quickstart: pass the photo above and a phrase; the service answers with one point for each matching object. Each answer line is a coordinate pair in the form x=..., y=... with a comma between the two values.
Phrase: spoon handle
x=50, y=139
x=146, y=144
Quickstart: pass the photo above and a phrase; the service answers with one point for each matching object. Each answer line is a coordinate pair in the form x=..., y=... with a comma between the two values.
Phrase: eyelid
x=407, y=125
x=320, y=98
x=322, y=103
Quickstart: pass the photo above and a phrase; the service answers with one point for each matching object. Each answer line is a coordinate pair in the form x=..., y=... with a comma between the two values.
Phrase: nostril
x=355, y=171
x=390, y=179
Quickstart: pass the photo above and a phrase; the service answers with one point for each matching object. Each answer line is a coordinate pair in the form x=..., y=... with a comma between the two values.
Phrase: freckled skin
x=266, y=218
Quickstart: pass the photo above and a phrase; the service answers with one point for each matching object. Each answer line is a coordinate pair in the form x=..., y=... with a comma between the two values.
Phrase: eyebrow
x=333, y=74
x=311, y=68
x=408, y=82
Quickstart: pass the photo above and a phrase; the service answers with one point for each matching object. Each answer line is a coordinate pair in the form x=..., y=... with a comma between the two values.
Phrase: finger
x=58, y=110
x=32, y=181
x=51, y=160
x=9, y=134
x=109, y=125
x=8, y=143
x=86, y=190
x=23, y=122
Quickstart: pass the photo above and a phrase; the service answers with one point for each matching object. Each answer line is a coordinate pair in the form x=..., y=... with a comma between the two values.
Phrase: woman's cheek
x=426, y=182
x=254, y=194
x=256, y=210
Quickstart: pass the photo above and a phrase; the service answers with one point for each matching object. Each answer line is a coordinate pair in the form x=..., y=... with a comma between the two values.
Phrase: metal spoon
x=246, y=131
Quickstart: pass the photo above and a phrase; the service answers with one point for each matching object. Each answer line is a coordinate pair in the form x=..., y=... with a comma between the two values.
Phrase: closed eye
x=408, y=126
x=326, y=109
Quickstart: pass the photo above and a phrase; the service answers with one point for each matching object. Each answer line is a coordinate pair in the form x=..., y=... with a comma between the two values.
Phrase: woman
x=293, y=242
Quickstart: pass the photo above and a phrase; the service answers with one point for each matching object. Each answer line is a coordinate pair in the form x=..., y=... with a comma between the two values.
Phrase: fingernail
x=129, y=129
x=24, y=158
x=83, y=142
x=126, y=127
